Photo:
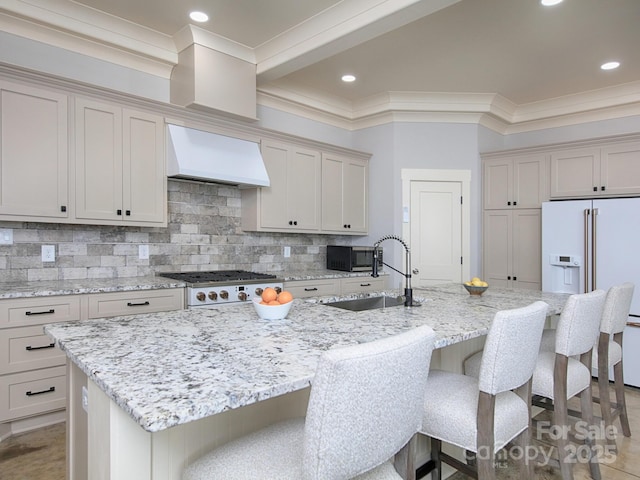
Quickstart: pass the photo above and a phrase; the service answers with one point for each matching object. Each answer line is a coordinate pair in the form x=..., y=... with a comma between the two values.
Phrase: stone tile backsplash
x=203, y=233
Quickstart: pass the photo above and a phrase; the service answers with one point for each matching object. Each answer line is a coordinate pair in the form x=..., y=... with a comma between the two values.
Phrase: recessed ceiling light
x=550, y=3
x=610, y=65
x=348, y=78
x=198, y=16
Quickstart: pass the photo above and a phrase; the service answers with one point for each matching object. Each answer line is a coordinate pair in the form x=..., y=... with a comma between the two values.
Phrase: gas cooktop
x=217, y=276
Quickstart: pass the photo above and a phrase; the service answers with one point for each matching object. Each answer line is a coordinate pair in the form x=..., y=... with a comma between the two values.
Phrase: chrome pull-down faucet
x=408, y=291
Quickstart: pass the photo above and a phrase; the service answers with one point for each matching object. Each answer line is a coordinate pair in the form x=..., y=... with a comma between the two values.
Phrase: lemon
x=484, y=284
x=475, y=279
x=468, y=284
x=477, y=283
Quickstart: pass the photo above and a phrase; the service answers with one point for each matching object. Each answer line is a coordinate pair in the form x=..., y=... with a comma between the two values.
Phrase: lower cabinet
x=512, y=248
x=334, y=286
x=33, y=379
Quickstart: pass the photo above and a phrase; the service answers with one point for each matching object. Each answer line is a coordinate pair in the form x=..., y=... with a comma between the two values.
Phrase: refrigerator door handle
x=594, y=249
x=585, y=268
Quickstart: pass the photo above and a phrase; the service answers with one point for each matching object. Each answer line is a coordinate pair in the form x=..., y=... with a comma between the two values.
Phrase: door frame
x=463, y=177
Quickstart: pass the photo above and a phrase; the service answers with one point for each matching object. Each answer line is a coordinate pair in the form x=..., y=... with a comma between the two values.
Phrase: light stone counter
x=171, y=368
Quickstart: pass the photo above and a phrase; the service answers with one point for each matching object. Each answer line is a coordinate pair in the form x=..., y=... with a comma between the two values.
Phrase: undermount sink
x=370, y=303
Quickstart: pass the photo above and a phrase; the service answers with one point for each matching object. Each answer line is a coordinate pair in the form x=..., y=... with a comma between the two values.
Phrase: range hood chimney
x=210, y=157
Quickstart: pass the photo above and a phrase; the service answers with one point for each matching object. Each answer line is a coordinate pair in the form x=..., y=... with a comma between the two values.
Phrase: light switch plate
x=48, y=253
x=287, y=252
x=143, y=252
x=6, y=236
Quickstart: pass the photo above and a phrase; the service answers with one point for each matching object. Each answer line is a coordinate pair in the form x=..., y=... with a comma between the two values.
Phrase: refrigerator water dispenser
x=565, y=273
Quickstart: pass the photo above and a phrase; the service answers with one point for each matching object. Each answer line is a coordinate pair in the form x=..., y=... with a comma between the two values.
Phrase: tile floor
x=40, y=454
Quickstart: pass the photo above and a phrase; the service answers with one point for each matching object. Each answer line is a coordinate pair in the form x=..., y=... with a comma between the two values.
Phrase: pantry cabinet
x=120, y=174
x=344, y=195
x=596, y=171
x=515, y=181
x=34, y=160
x=512, y=248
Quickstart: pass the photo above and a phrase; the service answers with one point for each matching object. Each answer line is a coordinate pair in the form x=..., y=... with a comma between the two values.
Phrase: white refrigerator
x=589, y=244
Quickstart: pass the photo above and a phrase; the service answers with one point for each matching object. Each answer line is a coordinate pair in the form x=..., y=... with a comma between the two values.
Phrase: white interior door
x=436, y=232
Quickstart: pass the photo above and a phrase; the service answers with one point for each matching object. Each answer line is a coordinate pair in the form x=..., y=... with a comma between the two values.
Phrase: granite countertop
x=45, y=288
x=165, y=369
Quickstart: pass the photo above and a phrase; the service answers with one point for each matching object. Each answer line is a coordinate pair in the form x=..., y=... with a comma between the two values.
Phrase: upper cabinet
x=34, y=165
x=311, y=192
x=609, y=170
x=120, y=175
x=344, y=194
x=292, y=201
x=517, y=181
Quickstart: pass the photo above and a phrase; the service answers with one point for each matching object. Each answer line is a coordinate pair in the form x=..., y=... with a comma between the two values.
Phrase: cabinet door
x=620, y=169
x=498, y=186
x=497, y=247
x=529, y=181
x=332, y=193
x=98, y=161
x=292, y=201
x=355, y=187
x=575, y=173
x=144, y=179
x=526, y=249
x=33, y=153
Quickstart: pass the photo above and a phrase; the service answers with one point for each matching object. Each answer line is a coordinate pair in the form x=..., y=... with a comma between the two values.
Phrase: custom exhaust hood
x=210, y=157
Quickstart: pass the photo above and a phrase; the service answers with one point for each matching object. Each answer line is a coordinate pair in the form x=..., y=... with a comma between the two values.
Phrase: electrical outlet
x=85, y=399
x=48, y=253
x=287, y=252
x=6, y=236
x=143, y=252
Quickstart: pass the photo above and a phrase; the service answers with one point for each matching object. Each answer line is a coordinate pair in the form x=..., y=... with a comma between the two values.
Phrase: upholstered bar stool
x=365, y=406
x=608, y=354
x=485, y=414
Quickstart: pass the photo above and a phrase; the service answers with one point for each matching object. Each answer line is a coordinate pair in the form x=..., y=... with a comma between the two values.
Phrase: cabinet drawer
x=313, y=288
x=131, y=303
x=32, y=393
x=27, y=348
x=37, y=311
x=362, y=284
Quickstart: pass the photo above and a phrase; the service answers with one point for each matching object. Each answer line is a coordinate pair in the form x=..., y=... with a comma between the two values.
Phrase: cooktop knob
x=278, y=289
x=212, y=296
x=259, y=291
x=224, y=294
x=201, y=296
x=242, y=296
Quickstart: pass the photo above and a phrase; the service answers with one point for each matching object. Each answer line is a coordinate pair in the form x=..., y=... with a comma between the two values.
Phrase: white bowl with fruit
x=272, y=305
x=476, y=286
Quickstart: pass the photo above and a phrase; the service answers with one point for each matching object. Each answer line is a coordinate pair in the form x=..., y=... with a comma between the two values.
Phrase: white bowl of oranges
x=272, y=305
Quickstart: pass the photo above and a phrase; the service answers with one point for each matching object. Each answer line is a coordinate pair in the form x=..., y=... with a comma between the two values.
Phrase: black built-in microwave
x=352, y=258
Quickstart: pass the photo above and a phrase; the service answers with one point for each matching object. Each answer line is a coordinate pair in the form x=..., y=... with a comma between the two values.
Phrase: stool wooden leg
x=603, y=380
x=486, y=440
x=561, y=415
x=620, y=399
x=586, y=406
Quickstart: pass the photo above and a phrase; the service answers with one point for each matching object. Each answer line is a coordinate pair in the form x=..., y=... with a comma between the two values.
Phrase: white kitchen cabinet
x=34, y=160
x=512, y=248
x=292, y=201
x=111, y=304
x=514, y=181
x=120, y=168
x=313, y=288
x=344, y=195
x=362, y=284
x=596, y=171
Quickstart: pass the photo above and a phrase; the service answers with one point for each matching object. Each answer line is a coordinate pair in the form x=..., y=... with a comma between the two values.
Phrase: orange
x=274, y=302
x=285, y=297
x=263, y=303
x=269, y=294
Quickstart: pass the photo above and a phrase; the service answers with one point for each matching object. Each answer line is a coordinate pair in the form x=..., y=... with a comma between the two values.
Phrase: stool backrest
x=366, y=403
x=511, y=348
x=616, y=308
x=579, y=324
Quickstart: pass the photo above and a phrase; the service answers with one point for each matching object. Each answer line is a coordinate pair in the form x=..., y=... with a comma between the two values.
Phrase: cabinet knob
x=602, y=188
x=508, y=203
x=118, y=212
x=595, y=189
x=63, y=208
x=515, y=278
x=295, y=222
x=509, y=278
x=515, y=203
x=127, y=213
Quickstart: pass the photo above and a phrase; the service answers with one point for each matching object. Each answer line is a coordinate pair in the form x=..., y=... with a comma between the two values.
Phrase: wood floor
x=40, y=454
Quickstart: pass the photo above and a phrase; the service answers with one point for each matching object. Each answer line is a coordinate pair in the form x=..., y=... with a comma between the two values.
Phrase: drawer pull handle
x=365, y=284
x=314, y=289
x=142, y=304
x=47, y=312
x=31, y=394
x=29, y=347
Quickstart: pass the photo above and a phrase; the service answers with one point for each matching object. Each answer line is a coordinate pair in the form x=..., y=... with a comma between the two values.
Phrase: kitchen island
x=164, y=388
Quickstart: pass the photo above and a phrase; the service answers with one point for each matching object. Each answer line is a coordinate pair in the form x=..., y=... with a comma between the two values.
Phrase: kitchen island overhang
x=166, y=372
